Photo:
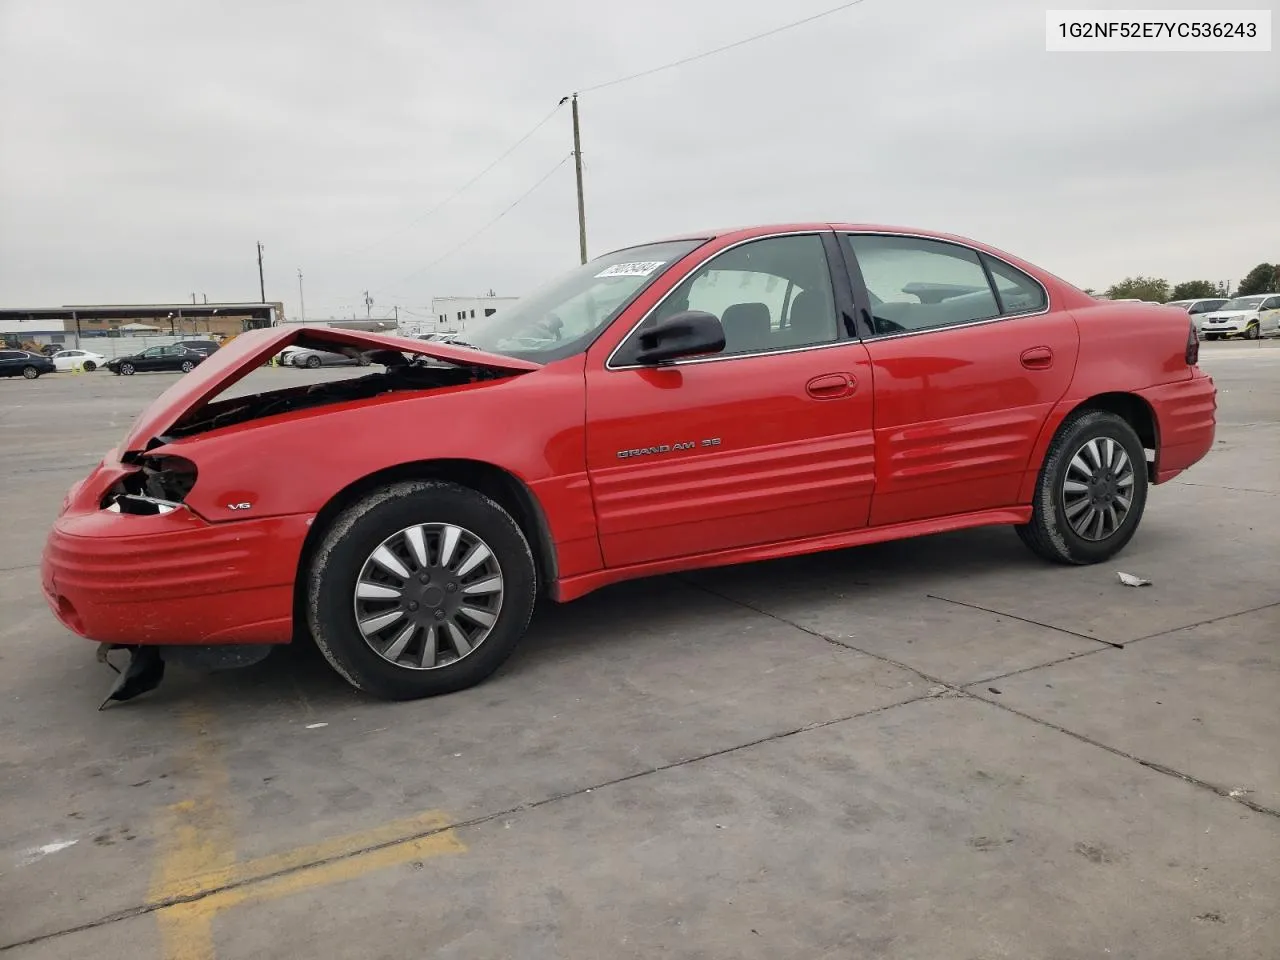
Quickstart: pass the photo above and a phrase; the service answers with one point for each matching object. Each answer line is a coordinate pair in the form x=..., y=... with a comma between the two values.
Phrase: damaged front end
x=183, y=545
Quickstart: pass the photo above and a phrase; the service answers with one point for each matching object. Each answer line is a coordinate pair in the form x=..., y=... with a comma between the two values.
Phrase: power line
x=519, y=200
x=462, y=189
x=727, y=46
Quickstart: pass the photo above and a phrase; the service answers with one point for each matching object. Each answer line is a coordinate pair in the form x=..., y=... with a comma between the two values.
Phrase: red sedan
x=704, y=400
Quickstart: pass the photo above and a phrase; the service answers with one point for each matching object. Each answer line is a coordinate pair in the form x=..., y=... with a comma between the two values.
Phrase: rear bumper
x=1186, y=415
x=173, y=578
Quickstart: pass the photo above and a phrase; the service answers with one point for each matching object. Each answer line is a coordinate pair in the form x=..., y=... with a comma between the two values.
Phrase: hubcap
x=428, y=596
x=1097, y=492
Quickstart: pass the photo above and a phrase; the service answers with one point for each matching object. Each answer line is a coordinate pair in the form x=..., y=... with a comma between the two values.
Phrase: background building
x=456, y=311
x=68, y=325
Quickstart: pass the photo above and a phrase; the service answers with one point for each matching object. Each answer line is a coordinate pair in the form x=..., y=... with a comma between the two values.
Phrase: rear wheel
x=30, y=372
x=187, y=366
x=1091, y=491
x=422, y=588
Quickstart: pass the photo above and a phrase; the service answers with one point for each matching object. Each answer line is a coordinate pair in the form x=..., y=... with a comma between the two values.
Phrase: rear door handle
x=1037, y=358
x=831, y=386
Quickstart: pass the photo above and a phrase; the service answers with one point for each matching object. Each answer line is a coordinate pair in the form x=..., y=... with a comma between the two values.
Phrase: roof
x=140, y=309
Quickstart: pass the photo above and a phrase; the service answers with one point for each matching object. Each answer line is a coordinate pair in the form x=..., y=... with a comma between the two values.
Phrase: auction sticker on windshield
x=637, y=268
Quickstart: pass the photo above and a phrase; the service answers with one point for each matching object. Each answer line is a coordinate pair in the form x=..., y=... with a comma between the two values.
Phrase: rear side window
x=1018, y=292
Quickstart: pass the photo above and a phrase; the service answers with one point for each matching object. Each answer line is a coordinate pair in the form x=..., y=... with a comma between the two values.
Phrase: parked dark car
x=173, y=357
x=23, y=363
x=200, y=346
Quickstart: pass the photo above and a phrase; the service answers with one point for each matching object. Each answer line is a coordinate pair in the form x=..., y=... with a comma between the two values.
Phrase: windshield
x=565, y=316
x=1242, y=303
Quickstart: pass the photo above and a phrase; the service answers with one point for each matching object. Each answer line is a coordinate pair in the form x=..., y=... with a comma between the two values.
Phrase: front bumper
x=173, y=578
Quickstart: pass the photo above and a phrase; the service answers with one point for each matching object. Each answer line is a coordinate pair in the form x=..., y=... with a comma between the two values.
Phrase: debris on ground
x=1129, y=580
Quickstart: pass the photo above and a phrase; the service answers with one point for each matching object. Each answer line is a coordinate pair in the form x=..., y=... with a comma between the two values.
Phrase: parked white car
x=68, y=359
x=1249, y=317
x=1196, y=309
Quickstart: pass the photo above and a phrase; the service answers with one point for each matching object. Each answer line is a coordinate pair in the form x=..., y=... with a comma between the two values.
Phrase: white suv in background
x=1199, y=307
x=1249, y=317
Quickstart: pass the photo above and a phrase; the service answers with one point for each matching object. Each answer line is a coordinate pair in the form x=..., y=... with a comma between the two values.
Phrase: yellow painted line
x=196, y=837
x=197, y=863
x=349, y=867
x=395, y=842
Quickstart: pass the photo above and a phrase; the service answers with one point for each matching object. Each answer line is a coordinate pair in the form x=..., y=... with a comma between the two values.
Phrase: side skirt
x=572, y=588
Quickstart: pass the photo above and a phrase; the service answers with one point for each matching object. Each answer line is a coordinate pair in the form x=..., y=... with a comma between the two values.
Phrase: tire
x=1251, y=332
x=363, y=360
x=126, y=369
x=30, y=373
x=1051, y=533
x=1211, y=336
x=313, y=362
x=88, y=366
x=379, y=522
x=187, y=366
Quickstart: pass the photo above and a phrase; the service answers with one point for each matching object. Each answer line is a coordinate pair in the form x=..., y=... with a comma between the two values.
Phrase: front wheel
x=88, y=366
x=1252, y=332
x=126, y=369
x=313, y=362
x=422, y=588
x=1091, y=491
x=30, y=372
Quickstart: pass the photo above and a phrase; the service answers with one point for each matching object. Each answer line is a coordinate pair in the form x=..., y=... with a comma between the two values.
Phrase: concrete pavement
x=938, y=747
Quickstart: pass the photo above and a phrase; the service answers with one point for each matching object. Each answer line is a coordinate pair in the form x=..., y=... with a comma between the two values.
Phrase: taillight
x=1193, y=345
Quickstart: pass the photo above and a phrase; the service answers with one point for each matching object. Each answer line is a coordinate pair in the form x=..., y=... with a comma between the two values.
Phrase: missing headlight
x=159, y=486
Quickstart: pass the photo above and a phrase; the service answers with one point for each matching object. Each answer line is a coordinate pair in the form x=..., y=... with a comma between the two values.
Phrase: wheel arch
x=1135, y=411
x=499, y=484
x=1130, y=407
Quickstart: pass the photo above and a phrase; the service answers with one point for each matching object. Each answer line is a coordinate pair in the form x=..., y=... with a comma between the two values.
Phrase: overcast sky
x=148, y=144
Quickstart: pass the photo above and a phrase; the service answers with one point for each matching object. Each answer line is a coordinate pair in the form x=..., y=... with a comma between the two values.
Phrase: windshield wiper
x=461, y=343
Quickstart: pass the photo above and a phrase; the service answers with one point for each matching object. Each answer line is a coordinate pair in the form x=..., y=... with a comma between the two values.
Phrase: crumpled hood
x=250, y=350
x=1229, y=314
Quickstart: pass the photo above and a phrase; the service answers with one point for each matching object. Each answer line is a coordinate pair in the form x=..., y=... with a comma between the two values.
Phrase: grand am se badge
x=668, y=448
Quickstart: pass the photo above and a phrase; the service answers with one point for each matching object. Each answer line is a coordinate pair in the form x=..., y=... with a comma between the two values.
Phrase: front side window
x=769, y=294
x=917, y=284
x=153, y=352
x=566, y=315
x=1271, y=304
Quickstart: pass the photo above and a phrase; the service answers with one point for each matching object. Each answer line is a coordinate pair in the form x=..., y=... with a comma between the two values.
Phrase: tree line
x=1264, y=278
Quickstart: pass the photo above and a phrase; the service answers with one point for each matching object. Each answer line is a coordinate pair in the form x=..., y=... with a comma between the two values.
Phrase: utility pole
x=577, y=169
x=368, y=305
x=397, y=310
x=193, y=299
x=206, y=297
x=262, y=289
x=302, y=303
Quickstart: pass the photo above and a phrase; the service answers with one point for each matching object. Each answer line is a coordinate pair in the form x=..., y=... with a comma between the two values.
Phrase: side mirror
x=686, y=334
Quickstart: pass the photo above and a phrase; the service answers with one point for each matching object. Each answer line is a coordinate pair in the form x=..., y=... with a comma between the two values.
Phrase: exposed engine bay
x=402, y=374
x=162, y=482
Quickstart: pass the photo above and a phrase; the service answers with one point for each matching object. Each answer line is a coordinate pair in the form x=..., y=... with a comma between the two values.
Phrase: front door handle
x=1037, y=358
x=831, y=386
